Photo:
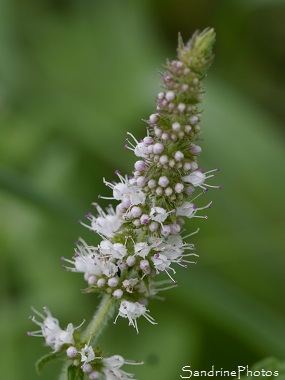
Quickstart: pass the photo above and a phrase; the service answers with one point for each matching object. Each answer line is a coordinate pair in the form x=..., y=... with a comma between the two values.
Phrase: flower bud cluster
x=63, y=342
x=141, y=237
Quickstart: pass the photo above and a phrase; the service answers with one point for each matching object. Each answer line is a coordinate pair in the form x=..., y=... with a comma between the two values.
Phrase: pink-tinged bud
x=165, y=230
x=190, y=190
x=178, y=156
x=136, y=222
x=113, y=282
x=101, y=282
x=151, y=183
x=165, y=136
x=170, y=95
x=157, y=132
x=179, y=188
x=176, y=127
x=187, y=166
x=193, y=119
x=118, y=293
x=163, y=159
x=160, y=95
x=86, y=368
x=168, y=191
x=140, y=166
x=153, y=118
x=195, y=149
x=175, y=229
x=141, y=181
x=181, y=107
x=92, y=280
x=163, y=181
x=178, y=64
x=187, y=128
x=150, y=149
x=136, y=212
x=144, y=219
x=158, y=148
x=131, y=260
x=144, y=265
x=71, y=352
x=153, y=226
x=194, y=165
x=159, y=191
x=94, y=375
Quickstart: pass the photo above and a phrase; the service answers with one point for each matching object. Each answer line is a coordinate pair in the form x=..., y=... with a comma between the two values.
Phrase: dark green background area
x=75, y=76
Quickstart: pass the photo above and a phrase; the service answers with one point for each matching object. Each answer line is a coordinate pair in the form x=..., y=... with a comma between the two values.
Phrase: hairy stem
x=100, y=319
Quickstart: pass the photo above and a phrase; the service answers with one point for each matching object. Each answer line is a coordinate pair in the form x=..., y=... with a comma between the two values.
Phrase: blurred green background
x=76, y=75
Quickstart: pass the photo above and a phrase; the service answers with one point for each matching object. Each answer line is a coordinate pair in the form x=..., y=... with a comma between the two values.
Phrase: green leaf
x=44, y=360
x=272, y=367
x=74, y=373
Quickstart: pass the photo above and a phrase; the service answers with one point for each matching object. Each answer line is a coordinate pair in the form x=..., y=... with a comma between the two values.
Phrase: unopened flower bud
x=163, y=181
x=153, y=226
x=101, y=282
x=118, y=293
x=170, y=95
x=113, y=282
x=153, y=118
x=158, y=148
x=136, y=212
x=144, y=265
x=178, y=156
x=151, y=183
x=140, y=166
x=71, y=352
x=131, y=260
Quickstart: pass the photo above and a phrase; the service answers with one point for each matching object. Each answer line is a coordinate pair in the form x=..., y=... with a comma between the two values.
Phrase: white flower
x=142, y=249
x=87, y=354
x=106, y=223
x=55, y=337
x=117, y=250
x=132, y=311
x=159, y=214
x=161, y=262
x=112, y=365
x=87, y=260
x=140, y=149
x=187, y=209
x=197, y=178
x=126, y=189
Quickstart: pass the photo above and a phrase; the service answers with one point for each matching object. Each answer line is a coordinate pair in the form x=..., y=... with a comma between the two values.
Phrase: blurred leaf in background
x=75, y=76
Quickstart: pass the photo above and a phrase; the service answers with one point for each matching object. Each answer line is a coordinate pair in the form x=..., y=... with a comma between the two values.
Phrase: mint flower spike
x=141, y=235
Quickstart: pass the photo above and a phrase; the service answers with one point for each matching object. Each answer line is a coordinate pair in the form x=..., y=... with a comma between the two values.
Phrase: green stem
x=100, y=319
x=95, y=327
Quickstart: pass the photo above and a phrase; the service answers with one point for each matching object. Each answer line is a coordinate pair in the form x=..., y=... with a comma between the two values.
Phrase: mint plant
x=142, y=237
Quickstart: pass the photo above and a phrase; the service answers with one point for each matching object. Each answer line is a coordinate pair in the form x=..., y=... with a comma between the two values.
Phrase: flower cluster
x=142, y=237
x=82, y=355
